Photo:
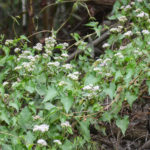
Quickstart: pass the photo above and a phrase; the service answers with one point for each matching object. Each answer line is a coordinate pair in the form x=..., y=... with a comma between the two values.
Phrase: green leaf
x=107, y=116
x=41, y=89
x=111, y=90
x=118, y=75
x=51, y=93
x=123, y=123
x=6, y=50
x=130, y=98
x=29, y=138
x=67, y=145
x=6, y=147
x=90, y=79
x=67, y=101
x=25, y=118
x=84, y=128
x=30, y=87
x=14, y=105
x=48, y=106
x=23, y=37
x=5, y=117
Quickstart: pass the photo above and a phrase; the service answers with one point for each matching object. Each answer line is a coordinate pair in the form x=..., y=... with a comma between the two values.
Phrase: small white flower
x=61, y=83
x=5, y=83
x=132, y=3
x=122, y=47
x=122, y=7
x=95, y=88
x=45, y=55
x=42, y=142
x=64, y=55
x=128, y=33
x=88, y=87
x=127, y=7
x=99, y=60
x=108, y=74
x=58, y=58
x=56, y=64
x=138, y=10
x=142, y=14
x=26, y=52
x=73, y=76
x=105, y=45
x=38, y=46
x=18, y=67
x=76, y=73
x=17, y=50
x=58, y=142
x=65, y=124
x=97, y=69
x=43, y=128
x=67, y=66
x=8, y=42
x=122, y=19
x=145, y=32
x=119, y=55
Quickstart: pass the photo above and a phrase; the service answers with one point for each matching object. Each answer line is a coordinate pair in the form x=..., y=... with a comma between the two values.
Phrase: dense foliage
x=48, y=104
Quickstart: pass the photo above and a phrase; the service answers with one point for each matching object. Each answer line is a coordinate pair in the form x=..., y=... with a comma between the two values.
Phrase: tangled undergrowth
x=48, y=104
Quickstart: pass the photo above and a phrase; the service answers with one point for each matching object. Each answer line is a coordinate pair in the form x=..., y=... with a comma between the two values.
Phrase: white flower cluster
x=29, y=66
x=65, y=124
x=16, y=50
x=50, y=43
x=61, y=83
x=91, y=87
x=64, y=55
x=106, y=45
x=108, y=74
x=38, y=46
x=119, y=55
x=128, y=7
x=8, y=42
x=67, y=66
x=45, y=55
x=58, y=142
x=116, y=30
x=142, y=15
x=43, y=128
x=58, y=58
x=105, y=62
x=5, y=83
x=97, y=69
x=122, y=19
x=122, y=47
x=145, y=32
x=42, y=142
x=132, y=3
x=56, y=64
x=128, y=33
x=63, y=45
x=74, y=75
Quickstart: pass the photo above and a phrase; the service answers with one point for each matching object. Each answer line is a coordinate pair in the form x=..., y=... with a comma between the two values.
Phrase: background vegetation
x=67, y=85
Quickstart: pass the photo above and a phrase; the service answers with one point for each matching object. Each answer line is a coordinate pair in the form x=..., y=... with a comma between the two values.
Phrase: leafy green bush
x=47, y=104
